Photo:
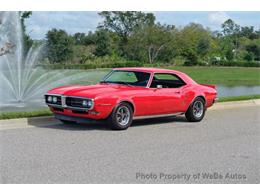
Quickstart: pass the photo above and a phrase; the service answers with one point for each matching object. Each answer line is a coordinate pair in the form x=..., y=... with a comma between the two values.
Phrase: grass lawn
x=222, y=75
x=11, y=115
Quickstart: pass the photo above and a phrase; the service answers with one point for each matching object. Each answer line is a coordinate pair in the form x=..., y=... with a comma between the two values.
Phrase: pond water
x=227, y=91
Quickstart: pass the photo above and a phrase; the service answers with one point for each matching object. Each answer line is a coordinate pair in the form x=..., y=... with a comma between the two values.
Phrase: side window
x=169, y=77
x=166, y=80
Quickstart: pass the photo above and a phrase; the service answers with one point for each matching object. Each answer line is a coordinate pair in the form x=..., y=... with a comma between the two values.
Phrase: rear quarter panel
x=208, y=93
x=190, y=92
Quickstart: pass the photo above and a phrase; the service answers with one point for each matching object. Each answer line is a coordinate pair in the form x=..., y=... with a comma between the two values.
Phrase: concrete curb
x=235, y=104
x=28, y=122
x=50, y=120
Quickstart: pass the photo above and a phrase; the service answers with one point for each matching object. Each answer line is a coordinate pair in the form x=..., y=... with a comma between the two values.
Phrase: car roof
x=185, y=77
x=150, y=70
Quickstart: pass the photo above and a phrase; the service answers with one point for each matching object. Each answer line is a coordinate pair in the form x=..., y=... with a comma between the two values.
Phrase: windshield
x=132, y=78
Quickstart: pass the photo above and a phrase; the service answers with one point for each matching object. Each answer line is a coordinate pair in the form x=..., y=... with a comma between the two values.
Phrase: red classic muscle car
x=128, y=93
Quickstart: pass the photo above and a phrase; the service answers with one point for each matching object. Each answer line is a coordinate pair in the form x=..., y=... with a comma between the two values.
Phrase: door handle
x=177, y=92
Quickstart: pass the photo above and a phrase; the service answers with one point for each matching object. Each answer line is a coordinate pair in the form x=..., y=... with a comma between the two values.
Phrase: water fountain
x=22, y=81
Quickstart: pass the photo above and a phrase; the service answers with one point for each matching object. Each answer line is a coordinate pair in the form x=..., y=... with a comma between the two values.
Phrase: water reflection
x=226, y=91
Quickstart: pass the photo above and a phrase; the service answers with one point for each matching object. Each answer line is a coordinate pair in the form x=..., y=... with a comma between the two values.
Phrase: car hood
x=90, y=91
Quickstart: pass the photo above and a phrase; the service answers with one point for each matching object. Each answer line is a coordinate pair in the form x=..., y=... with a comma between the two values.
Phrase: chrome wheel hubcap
x=198, y=109
x=123, y=115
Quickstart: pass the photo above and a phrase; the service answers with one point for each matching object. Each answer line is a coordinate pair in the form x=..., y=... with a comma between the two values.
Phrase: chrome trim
x=157, y=116
x=150, y=80
x=63, y=102
x=174, y=74
x=54, y=105
x=105, y=104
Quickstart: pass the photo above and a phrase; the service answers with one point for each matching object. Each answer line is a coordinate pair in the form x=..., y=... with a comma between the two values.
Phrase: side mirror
x=159, y=86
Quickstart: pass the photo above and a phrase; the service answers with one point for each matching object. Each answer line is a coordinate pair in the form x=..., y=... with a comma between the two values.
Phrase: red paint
x=146, y=101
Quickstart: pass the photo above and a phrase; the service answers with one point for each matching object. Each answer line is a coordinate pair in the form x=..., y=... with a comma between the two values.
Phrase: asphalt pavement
x=223, y=148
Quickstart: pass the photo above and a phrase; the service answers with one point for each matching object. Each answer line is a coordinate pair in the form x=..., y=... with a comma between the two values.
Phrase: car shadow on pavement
x=88, y=126
x=103, y=126
x=159, y=120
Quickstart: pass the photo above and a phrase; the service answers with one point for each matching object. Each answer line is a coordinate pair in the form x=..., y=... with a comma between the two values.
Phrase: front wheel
x=196, y=111
x=121, y=117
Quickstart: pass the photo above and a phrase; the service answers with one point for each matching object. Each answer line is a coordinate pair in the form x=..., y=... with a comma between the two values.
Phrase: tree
x=59, y=45
x=90, y=38
x=229, y=28
x=231, y=31
x=191, y=57
x=254, y=49
x=79, y=38
x=248, y=32
x=28, y=42
x=193, y=41
x=124, y=23
x=146, y=43
x=102, y=43
x=203, y=46
x=249, y=56
x=229, y=54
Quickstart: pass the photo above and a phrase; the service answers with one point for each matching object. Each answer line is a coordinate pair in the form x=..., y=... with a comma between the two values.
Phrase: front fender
x=106, y=105
x=128, y=100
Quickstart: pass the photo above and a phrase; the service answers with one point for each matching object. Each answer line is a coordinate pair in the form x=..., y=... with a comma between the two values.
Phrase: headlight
x=54, y=99
x=87, y=103
x=49, y=99
x=90, y=103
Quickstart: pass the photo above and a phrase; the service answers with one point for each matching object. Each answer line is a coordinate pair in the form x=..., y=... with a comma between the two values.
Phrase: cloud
x=74, y=21
x=217, y=18
x=40, y=22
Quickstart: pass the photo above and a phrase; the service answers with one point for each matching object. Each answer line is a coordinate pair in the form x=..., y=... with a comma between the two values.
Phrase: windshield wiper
x=104, y=82
x=117, y=82
x=123, y=83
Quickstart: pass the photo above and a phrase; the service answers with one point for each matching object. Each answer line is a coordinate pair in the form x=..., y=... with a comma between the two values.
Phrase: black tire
x=114, y=118
x=193, y=114
x=67, y=122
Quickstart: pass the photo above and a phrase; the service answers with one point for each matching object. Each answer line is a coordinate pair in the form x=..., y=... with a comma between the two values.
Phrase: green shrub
x=239, y=63
x=94, y=66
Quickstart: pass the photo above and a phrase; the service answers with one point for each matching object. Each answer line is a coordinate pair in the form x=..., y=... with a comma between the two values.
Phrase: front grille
x=74, y=102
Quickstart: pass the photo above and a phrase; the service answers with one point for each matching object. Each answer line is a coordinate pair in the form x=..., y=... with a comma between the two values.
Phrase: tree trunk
x=153, y=53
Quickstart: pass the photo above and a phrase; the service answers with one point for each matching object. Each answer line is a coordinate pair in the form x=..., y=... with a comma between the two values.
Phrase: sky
x=40, y=22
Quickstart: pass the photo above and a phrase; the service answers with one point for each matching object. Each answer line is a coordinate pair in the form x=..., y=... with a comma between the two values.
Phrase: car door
x=166, y=94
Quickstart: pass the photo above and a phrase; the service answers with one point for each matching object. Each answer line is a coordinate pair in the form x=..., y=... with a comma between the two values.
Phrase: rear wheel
x=121, y=117
x=67, y=122
x=196, y=111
